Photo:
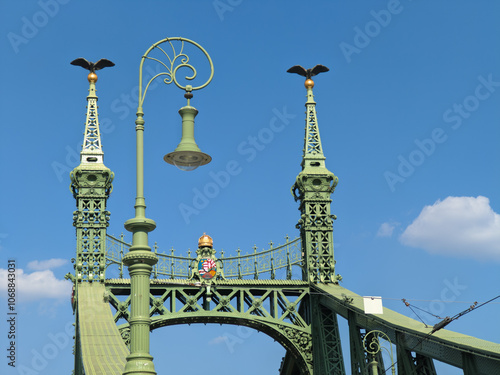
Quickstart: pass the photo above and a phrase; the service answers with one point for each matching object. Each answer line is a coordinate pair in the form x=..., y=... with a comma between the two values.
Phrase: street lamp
x=187, y=156
x=373, y=347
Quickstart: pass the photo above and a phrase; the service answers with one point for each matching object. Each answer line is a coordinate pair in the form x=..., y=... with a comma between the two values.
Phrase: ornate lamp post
x=372, y=346
x=187, y=156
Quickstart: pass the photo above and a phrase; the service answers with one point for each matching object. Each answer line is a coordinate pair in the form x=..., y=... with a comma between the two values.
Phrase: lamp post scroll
x=373, y=347
x=187, y=156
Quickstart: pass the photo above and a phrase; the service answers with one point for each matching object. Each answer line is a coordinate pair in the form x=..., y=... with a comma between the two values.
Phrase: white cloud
x=36, y=285
x=43, y=265
x=386, y=229
x=457, y=226
x=218, y=340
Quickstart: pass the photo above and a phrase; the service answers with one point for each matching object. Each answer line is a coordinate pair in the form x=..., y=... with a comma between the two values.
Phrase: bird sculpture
x=308, y=73
x=90, y=66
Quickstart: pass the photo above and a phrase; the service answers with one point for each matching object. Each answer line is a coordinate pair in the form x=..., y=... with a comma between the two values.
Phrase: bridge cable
x=444, y=323
x=408, y=305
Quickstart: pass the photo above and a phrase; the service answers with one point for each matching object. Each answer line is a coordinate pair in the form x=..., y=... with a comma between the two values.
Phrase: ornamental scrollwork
x=125, y=333
x=302, y=340
x=372, y=345
x=172, y=63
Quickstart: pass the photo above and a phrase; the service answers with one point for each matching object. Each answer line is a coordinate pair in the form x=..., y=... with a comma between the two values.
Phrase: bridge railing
x=280, y=262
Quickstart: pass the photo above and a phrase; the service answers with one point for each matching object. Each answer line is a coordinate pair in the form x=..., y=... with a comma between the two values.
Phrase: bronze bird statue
x=308, y=73
x=90, y=66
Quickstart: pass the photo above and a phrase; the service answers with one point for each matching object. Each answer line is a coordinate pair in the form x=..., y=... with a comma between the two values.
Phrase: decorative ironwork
x=328, y=357
x=313, y=187
x=91, y=184
x=179, y=60
x=275, y=261
x=302, y=340
x=269, y=306
x=92, y=148
x=371, y=343
x=125, y=332
x=313, y=141
x=92, y=140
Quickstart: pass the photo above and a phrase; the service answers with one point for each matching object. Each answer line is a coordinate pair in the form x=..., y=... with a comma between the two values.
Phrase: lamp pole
x=373, y=347
x=140, y=259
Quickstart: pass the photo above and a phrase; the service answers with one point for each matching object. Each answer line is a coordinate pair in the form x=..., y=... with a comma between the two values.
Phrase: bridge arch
x=297, y=342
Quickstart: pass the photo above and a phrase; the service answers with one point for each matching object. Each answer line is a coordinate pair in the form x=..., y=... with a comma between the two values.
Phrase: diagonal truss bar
x=270, y=306
x=328, y=357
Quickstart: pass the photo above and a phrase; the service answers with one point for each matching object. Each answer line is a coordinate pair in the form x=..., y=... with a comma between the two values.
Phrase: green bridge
x=290, y=292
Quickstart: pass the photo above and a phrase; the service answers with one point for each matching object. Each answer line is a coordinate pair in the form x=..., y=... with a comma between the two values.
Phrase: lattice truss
x=328, y=357
x=409, y=363
x=92, y=139
x=91, y=189
x=274, y=310
x=316, y=229
x=271, y=303
x=312, y=141
x=91, y=220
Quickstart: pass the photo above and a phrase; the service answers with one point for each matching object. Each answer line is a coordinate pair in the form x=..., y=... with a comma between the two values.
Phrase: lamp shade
x=187, y=156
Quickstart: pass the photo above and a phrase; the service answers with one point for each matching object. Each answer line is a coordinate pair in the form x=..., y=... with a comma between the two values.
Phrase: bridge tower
x=313, y=187
x=91, y=184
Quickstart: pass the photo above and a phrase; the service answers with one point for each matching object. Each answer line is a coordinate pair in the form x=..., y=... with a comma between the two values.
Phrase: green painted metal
x=313, y=187
x=469, y=364
x=140, y=260
x=425, y=365
x=409, y=364
x=404, y=361
x=77, y=350
x=91, y=186
x=103, y=349
x=374, y=346
x=187, y=156
x=270, y=306
x=172, y=66
x=274, y=263
x=443, y=345
x=359, y=359
x=328, y=357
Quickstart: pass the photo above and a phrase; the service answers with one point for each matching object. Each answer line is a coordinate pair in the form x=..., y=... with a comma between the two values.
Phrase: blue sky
x=409, y=120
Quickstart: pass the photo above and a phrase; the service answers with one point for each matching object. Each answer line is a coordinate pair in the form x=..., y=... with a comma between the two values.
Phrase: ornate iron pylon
x=313, y=187
x=91, y=186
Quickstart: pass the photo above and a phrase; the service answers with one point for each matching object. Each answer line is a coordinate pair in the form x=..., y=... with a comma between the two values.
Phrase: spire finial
x=308, y=73
x=92, y=77
x=92, y=150
x=313, y=151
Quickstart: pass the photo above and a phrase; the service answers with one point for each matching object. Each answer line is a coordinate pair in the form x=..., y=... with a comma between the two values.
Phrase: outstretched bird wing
x=82, y=62
x=103, y=63
x=318, y=69
x=298, y=69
